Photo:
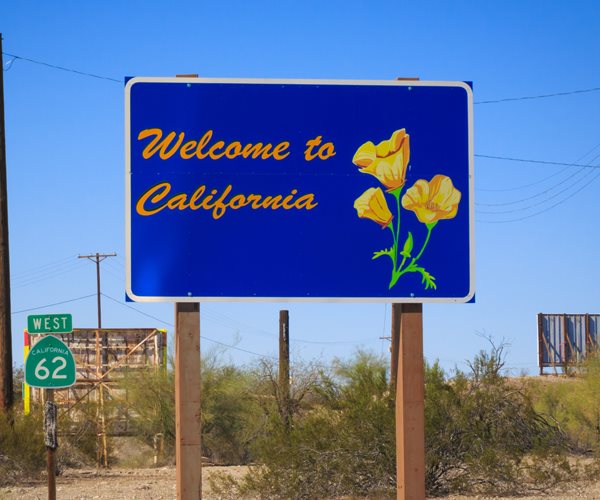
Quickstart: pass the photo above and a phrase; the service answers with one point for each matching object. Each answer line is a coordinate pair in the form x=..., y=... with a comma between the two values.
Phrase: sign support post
x=50, y=365
x=410, y=401
x=51, y=442
x=188, y=452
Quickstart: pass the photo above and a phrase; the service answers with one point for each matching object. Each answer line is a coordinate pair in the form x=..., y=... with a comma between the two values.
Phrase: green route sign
x=50, y=364
x=50, y=323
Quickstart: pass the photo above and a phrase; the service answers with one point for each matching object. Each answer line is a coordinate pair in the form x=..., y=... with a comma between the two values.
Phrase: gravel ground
x=159, y=483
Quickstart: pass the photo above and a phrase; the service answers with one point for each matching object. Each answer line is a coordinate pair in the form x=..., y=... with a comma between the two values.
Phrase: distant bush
x=150, y=406
x=574, y=403
x=483, y=435
x=22, y=450
x=231, y=413
x=335, y=433
x=342, y=445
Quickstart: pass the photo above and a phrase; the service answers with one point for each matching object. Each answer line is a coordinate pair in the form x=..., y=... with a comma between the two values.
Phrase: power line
x=62, y=68
x=541, y=96
x=54, y=304
x=491, y=101
x=521, y=209
x=43, y=267
x=560, y=202
x=229, y=322
x=137, y=310
x=572, y=177
x=201, y=336
x=524, y=186
x=548, y=177
x=542, y=162
x=541, y=193
x=49, y=274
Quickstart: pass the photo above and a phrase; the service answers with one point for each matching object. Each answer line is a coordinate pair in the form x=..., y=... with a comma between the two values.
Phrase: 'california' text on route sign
x=50, y=364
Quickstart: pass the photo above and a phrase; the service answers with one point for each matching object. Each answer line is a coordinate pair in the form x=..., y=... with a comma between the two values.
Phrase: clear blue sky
x=536, y=232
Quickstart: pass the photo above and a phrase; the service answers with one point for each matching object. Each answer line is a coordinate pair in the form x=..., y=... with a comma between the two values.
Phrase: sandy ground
x=159, y=483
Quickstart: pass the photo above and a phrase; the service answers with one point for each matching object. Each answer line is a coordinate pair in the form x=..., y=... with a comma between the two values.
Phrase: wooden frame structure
x=103, y=357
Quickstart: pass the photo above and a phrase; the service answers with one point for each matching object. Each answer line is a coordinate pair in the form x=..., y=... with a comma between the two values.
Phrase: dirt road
x=159, y=484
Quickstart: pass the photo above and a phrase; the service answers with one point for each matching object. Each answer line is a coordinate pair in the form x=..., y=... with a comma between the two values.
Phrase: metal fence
x=566, y=339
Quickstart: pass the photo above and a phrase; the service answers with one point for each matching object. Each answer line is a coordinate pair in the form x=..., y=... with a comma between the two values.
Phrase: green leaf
x=427, y=279
x=388, y=252
x=408, y=246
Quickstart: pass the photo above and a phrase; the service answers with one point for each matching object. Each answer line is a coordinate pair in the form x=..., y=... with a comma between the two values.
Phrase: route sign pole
x=51, y=441
x=50, y=365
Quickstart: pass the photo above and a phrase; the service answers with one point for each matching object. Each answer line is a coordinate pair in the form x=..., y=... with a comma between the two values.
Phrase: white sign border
x=29, y=353
x=398, y=83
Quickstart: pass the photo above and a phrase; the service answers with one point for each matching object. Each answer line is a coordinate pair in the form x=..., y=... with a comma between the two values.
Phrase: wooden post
x=284, y=366
x=410, y=402
x=103, y=439
x=50, y=455
x=188, y=452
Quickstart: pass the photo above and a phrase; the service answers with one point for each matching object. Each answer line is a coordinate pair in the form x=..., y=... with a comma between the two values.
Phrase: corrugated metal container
x=564, y=339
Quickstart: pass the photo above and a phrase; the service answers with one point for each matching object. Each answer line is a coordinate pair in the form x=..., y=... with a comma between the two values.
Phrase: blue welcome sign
x=304, y=190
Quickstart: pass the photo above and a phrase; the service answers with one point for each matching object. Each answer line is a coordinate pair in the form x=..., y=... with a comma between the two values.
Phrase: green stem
x=394, y=247
x=411, y=267
x=396, y=193
x=429, y=229
x=396, y=233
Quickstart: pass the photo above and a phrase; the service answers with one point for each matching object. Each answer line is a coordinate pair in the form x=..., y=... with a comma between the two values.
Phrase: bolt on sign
x=303, y=190
x=50, y=364
x=50, y=323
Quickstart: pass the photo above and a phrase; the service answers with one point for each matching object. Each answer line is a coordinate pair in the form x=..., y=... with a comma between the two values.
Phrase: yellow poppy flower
x=432, y=201
x=387, y=161
x=372, y=205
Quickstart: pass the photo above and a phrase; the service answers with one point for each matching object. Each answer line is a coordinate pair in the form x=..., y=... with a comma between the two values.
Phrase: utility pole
x=97, y=258
x=6, y=376
x=101, y=360
x=284, y=366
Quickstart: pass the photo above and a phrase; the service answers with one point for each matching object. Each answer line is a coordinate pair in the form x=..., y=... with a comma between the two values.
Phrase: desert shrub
x=22, y=450
x=78, y=428
x=304, y=390
x=342, y=445
x=150, y=406
x=483, y=433
x=574, y=403
x=231, y=414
